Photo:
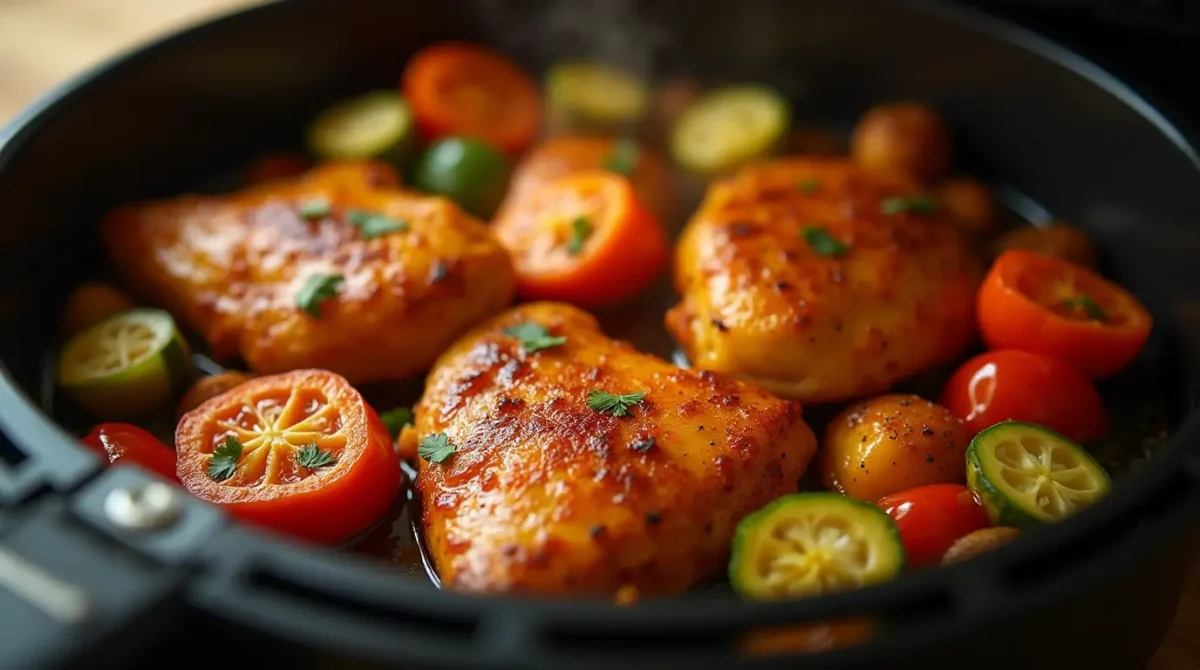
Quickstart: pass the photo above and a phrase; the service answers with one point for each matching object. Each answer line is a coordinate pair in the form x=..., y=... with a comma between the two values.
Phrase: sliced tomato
x=300, y=453
x=471, y=91
x=125, y=443
x=584, y=239
x=932, y=518
x=1040, y=303
x=1009, y=384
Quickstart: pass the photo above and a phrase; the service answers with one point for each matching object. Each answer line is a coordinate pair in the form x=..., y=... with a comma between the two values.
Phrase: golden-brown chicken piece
x=822, y=282
x=415, y=271
x=547, y=494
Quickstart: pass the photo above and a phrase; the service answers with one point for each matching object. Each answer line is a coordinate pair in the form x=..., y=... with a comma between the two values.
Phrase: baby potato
x=92, y=302
x=1058, y=239
x=892, y=443
x=905, y=137
x=209, y=387
x=969, y=202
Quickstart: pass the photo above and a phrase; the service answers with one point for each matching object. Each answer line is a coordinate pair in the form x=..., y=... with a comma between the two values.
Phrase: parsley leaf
x=624, y=157
x=316, y=290
x=371, y=225
x=314, y=208
x=311, y=457
x=224, y=460
x=396, y=419
x=808, y=186
x=916, y=204
x=581, y=230
x=1089, y=307
x=616, y=405
x=534, y=337
x=823, y=243
x=436, y=448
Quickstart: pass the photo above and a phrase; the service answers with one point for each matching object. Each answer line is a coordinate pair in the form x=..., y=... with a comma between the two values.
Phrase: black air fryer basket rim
x=1143, y=512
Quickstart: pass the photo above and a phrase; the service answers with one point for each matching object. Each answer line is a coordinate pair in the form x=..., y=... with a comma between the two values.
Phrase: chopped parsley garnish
x=624, y=157
x=224, y=460
x=616, y=405
x=316, y=290
x=314, y=208
x=436, y=448
x=581, y=230
x=823, y=243
x=1088, y=306
x=808, y=186
x=371, y=225
x=396, y=419
x=915, y=204
x=312, y=457
x=534, y=337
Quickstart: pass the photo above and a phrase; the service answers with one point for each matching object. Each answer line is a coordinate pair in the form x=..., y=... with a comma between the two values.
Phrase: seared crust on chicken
x=232, y=267
x=546, y=494
x=770, y=296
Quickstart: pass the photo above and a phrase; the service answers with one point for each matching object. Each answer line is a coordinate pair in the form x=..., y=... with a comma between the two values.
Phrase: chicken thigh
x=537, y=483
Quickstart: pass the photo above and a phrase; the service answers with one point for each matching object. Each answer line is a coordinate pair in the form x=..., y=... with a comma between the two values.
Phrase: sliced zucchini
x=374, y=125
x=1027, y=475
x=583, y=94
x=127, y=365
x=808, y=544
x=730, y=126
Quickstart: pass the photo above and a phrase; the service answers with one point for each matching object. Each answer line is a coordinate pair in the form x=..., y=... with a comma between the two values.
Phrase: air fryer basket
x=77, y=589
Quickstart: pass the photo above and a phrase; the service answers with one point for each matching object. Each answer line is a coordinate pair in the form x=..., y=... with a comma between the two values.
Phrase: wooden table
x=43, y=42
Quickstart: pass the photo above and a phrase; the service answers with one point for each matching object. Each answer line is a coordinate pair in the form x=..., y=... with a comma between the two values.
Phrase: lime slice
x=375, y=125
x=125, y=366
x=595, y=92
x=808, y=544
x=1027, y=475
x=730, y=126
x=467, y=171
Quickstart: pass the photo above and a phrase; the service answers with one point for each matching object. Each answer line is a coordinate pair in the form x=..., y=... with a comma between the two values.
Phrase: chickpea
x=1058, y=239
x=904, y=137
x=970, y=203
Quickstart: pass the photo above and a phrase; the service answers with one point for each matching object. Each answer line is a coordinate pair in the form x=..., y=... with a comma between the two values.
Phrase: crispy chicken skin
x=231, y=267
x=546, y=495
x=761, y=303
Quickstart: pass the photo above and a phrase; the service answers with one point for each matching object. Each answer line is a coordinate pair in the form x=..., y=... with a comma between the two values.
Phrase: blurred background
x=45, y=42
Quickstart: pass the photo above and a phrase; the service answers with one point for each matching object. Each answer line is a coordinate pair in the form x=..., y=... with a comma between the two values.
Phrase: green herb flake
x=372, y=225
x=436, y=448
x=616, y=405
x=808, y=186
x=915, y=204
x=224, y=460
x=312, y=457
x=317, y=289
x=1088, y=306
x=581, y=230
x=314, y=208
x=823, y=243
x=534, y=337
x=623, y=158
x=396, y=419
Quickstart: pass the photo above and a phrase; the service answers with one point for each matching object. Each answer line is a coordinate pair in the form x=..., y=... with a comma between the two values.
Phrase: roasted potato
x=1058, y=239
x=90, y=303
x=892, y=443
x=903, y=137
x=970, y=203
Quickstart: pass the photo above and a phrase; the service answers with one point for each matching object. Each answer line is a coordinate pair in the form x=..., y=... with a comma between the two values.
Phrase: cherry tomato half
x=1047, y=305
x=584, y=239
x=469, y=90
x=931, y=518
x=299, y=452
x=126, y=443
x=1022, y=386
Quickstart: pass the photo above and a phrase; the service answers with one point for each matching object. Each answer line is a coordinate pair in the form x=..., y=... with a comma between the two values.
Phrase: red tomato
x=125, y=443
x=1047, y=305
x=584, y=239
x=931, y=518
x=471, y=91
x=1021, y=386
x=299, y=452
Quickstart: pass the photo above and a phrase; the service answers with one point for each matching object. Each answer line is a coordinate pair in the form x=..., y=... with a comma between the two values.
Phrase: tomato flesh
x=123, y=443
x=931, y=518
x=1009, y=384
